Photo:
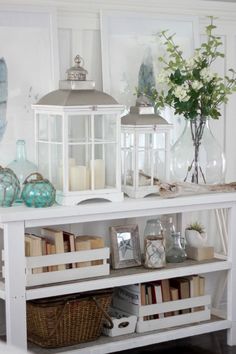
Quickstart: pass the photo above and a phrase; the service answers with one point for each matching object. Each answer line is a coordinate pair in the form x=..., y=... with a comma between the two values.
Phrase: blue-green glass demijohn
x=38, y=192
x=21, y=166
x=9, y=187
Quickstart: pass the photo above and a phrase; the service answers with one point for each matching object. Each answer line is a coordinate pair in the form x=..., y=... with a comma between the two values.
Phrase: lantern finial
x=77, y=72
x=143, y=101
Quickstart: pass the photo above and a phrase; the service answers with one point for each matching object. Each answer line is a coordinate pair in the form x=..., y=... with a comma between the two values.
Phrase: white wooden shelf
x=14, y=291
x=123, y=277
x=126, y=277
x=109, y=345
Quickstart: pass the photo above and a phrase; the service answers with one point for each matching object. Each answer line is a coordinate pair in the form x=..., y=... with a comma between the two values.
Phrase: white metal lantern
x=145, y=147
x=78, y=140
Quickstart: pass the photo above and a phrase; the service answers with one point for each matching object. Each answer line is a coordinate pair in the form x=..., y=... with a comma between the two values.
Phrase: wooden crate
x=69, y=274
x=201, y=314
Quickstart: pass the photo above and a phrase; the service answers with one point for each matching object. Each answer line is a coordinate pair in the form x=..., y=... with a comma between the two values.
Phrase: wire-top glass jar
x=154, y=250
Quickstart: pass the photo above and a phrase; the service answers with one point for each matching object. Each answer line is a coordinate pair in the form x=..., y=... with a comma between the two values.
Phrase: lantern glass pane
x=145, y=140
x=98, y=167
x=105, y=127
x=42, y=122
x=43, y=159
x=127, y=158
x=56, y=166
x=55, y=127
x=160, y=165
x=79, y=128
x=110, y=165
x=78, y=164
x=144, y=163
x=159, y=141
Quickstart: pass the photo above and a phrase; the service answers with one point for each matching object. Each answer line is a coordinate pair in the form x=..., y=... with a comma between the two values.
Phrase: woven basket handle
x=105, y=314
x=58, y=319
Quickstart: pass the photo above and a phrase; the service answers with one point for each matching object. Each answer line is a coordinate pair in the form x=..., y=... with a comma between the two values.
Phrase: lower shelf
x=109, y=345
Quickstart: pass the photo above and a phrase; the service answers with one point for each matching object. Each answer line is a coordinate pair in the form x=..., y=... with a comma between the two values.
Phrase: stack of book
x=132, y=297
x=52, y=241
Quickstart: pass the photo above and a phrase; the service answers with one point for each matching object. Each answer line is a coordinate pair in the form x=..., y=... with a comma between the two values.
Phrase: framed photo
x=29, y=51
x=125, y=246
x=130, y=40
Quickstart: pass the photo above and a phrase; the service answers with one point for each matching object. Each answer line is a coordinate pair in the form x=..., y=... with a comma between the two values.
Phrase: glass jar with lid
x=154, y=250
x=176, y=253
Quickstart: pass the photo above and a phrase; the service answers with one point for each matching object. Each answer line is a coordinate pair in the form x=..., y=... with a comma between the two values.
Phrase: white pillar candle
x=79, y=178
x=71, y=162
x=99, y=173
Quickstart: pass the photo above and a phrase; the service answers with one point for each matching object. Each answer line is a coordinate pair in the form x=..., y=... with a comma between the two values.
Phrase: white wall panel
x=65, y=51
x=79, y=32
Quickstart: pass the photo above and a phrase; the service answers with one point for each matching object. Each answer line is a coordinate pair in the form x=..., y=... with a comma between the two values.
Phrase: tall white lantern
x=145, y=147
x=78, y=140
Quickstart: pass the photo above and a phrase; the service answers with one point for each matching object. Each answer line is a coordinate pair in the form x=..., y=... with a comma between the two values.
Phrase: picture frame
x=29, y=47
x=125, y=246
x=129, y=40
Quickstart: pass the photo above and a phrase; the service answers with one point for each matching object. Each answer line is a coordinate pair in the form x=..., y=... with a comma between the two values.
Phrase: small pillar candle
x=99, y=173
x=79, y=178
x=71, y=162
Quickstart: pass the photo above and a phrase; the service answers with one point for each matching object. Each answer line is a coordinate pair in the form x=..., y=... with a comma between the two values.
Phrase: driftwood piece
x=155, y=180
x=171, y=190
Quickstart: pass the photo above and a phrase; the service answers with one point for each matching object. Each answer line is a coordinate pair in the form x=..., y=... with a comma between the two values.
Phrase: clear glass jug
x=176, y=253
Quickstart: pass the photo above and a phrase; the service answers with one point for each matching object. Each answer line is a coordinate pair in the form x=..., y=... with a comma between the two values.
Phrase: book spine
x=82, y=246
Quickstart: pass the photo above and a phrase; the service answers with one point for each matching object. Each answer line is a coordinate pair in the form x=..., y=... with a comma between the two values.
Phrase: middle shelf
x=127, y=276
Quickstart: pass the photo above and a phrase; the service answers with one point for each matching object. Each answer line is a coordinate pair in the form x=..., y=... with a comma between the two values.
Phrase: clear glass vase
x=176, y=253
x=196, y=156
x=21, y=166
x=168, y=229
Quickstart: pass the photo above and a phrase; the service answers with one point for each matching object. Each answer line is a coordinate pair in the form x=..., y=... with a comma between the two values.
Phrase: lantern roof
x=143, y=114
x=76, y=98
x=76, y=91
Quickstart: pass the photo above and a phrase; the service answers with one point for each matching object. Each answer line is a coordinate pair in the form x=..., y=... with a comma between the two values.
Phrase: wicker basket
x=63, y=321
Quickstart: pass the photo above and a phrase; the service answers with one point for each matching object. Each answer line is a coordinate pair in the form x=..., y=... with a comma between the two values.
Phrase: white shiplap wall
x=79, y=32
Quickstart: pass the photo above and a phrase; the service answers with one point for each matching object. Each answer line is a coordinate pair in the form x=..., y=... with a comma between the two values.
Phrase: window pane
x=79, y=172
x=144, y=167
x=159, y=165
x=110, y=165
x=56, y=166
x=43, y=159
x=105, y=127
x=159, y=141
x=42, y=121
x=79, y=128
x=56, y=128
x=127, y=166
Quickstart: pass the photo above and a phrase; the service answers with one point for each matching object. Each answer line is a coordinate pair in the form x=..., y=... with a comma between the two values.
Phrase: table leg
x=15, y=300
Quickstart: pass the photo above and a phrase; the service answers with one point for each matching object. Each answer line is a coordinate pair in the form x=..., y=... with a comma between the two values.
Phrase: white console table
x=14, y=221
